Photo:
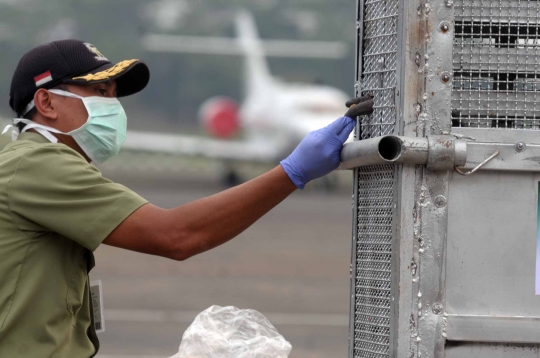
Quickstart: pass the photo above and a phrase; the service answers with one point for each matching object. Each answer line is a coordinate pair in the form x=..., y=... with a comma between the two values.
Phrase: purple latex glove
x=318, y=153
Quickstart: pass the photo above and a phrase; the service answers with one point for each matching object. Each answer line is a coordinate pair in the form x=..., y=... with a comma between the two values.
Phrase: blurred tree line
x=179, y=82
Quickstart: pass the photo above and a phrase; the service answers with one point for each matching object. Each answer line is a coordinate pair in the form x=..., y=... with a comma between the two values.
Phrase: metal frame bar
x=483, y=142
x=498, y=329
x=432, y=186
x=352, y=308
x=406, y=179
x=354, y=241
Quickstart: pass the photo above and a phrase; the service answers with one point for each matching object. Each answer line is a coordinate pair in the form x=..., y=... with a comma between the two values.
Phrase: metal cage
x=444, y=235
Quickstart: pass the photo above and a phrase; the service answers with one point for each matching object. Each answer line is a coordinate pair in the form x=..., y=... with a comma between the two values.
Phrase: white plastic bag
x=229, y=332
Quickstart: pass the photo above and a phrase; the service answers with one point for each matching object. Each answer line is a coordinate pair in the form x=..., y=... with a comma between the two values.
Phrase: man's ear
x=44, y=104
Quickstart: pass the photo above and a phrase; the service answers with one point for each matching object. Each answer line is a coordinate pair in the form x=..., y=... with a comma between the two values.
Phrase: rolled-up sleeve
x=55, y=189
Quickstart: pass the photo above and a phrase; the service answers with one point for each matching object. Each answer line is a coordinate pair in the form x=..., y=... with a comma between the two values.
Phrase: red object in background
x=220, y=118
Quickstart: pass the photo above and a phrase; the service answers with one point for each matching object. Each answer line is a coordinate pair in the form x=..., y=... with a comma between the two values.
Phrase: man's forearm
x=215, y=220
x=206, y=223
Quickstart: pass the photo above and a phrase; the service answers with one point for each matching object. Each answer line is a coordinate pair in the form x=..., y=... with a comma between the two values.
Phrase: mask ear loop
x=15, y=132
x=43, y=130
x=65, y=93
x=73, y=95
x=32, y=104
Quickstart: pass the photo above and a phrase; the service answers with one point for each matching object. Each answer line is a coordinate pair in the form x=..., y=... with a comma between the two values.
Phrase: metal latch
x=443, y=152
x=487, y=160
x=437, y=152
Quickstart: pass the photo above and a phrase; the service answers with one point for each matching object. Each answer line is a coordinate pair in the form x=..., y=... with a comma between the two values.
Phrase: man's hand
x=318, y=153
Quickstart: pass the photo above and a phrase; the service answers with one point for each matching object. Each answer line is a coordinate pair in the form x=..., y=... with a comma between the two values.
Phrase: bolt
x=520, y=147
x=440, y=201
x=381, y=61
x=445, y=26
x=445, y=77
x=437, y=308
x=417, y=60
x=449, y=3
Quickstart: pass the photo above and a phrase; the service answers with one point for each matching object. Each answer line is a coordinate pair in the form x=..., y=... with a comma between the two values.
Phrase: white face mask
x=100, y=137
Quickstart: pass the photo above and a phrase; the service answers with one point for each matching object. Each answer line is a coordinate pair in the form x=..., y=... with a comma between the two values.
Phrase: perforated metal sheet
x=379, y=65
x=373, y=261
x=496, y=64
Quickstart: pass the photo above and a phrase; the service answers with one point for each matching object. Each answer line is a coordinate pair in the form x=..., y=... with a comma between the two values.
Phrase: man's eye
x=102, y=91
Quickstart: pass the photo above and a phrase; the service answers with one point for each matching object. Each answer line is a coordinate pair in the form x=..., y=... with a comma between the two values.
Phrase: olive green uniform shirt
x=55, y=210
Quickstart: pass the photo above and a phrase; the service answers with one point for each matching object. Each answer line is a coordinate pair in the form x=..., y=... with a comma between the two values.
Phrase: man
x=56, y=208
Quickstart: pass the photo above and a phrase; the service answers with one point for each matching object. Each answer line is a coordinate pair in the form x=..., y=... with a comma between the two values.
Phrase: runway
x=292, y=266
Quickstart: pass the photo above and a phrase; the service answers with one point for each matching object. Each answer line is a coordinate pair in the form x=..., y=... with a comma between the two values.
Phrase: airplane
x=274, y=116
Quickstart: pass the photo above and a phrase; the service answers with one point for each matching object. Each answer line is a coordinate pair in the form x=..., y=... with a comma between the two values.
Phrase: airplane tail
x=257, y=72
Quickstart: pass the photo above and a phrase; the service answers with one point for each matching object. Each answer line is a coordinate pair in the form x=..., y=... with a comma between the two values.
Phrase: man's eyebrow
x=108, y=84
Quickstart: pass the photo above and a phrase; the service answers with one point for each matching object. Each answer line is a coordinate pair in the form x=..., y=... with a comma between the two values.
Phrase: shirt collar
x=33, y=137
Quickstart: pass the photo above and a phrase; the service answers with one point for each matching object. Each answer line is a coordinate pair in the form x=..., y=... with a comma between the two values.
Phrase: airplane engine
x=220, y=118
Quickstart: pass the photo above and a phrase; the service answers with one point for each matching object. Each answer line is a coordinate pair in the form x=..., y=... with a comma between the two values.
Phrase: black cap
x=71, y=61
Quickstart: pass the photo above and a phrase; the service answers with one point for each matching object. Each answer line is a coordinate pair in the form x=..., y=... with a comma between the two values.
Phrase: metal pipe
x=384, y=150
x=415, y=150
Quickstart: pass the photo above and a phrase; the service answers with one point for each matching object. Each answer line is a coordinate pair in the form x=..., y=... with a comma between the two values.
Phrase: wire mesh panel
x=375, y=192
x=373, y=261
x=379, y=65
x=496, y=64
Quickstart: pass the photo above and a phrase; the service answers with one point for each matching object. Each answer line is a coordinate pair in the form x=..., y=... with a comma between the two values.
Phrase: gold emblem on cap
x=95, y=51
x=108, y=73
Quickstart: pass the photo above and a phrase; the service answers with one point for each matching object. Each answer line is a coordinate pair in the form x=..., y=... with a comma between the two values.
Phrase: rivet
x=445, y=26
x=520, y=147
x=440, y=201
x=445, y=77
x=437, y=308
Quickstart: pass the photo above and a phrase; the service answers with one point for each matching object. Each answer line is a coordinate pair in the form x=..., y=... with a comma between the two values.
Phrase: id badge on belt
x=96, y=295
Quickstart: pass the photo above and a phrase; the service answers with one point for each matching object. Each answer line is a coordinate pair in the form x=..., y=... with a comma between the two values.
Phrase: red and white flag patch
x=43, y=78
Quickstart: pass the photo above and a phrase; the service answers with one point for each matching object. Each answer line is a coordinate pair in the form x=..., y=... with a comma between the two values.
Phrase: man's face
x=71, y=111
